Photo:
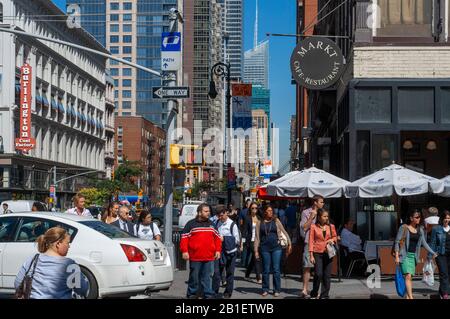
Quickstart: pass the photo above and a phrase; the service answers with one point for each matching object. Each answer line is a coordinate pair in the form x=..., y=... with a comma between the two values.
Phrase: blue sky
x=274, y=17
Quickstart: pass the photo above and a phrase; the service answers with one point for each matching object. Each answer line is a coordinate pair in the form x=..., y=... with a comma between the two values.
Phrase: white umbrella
x=446, y=187
x=307, y=183
x=394, y=178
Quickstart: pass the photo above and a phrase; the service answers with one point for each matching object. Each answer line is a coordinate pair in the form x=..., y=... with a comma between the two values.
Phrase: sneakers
x=277, y=294
x=264, y=294
x=259, y=281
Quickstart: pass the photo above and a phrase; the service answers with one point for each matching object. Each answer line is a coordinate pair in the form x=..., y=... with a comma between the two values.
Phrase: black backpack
x=229, y=244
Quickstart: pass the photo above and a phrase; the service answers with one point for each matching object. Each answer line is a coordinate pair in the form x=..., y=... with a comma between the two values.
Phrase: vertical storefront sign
x=25, y=142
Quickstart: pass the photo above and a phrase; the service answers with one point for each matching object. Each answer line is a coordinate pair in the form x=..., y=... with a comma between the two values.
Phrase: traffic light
x=174, y=155
x=195, y=173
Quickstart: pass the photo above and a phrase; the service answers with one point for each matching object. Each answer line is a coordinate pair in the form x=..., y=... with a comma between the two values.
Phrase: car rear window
x=106, y=229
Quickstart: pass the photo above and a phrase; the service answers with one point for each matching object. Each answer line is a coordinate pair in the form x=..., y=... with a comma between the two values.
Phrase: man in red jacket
x=201, y=244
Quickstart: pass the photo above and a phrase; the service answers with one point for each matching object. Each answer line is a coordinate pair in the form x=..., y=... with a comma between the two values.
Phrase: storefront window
x=384, y=150
x=416, y=105
x=405, y=18
x=445, y=106
x=373, y=105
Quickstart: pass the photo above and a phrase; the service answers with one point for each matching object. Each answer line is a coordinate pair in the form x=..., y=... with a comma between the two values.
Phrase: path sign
x=177, y=92
x=171, y=51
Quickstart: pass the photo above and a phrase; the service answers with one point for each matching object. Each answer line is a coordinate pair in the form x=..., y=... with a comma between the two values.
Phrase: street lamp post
x=223, y=70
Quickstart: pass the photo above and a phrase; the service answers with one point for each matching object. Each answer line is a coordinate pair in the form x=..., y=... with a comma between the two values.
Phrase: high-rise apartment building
x=131, y=30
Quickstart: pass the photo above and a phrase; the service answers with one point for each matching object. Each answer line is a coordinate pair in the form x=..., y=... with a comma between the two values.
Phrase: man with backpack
x=231, y=243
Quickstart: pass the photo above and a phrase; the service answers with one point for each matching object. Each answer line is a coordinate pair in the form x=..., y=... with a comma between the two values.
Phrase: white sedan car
x=115, y=263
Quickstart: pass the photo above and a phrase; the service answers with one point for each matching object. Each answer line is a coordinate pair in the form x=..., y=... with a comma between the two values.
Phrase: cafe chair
x=353, y=260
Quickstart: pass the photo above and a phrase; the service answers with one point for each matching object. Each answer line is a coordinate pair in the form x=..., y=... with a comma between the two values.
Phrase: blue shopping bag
x=400, y=282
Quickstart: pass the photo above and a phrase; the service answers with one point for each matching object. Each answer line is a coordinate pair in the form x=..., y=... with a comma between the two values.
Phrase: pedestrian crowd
x=262, y=236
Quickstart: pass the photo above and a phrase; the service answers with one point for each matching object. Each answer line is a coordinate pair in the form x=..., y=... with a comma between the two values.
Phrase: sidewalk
x=346, y=289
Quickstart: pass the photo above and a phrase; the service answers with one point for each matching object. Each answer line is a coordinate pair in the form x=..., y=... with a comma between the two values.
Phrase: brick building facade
x=138, y=139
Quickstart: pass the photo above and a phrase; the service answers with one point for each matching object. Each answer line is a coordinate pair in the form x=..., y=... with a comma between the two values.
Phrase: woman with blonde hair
x=45, y=275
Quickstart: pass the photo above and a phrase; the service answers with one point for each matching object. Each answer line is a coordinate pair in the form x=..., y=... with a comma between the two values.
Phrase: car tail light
x=133, y=254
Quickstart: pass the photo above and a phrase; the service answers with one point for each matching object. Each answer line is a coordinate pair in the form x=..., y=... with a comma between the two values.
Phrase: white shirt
x=145, y=231
x=305, y=216
x=350, y=240
x=224, y=230
x=74, y=211
x=432, y=220
x=253, y=231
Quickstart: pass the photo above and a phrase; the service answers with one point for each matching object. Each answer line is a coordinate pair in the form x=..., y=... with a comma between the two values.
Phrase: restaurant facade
x=391, y=104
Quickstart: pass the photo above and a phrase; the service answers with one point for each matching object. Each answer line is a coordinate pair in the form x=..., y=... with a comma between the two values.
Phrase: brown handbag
x=401, y=243
x=24, y=289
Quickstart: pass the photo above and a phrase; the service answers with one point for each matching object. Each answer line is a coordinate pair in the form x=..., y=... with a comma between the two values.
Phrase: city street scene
x=225, y=149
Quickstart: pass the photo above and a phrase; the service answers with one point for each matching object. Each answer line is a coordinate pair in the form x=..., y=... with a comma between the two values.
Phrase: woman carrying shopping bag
x=322, y=249
x=440, y=243
x=410, y=239
x=271, y=238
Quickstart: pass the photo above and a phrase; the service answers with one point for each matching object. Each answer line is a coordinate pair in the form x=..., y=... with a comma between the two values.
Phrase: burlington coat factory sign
x=317, y=63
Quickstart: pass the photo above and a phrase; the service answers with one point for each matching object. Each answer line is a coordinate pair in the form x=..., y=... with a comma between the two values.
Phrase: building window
x=126, y=105
x=127, y=38
x=126, y=72
x=116, y=82
x=127, y=5
x=373, y=105
x=411, y=18
x=114, y=17
x=126, y=113
x=126, y=83
x=116, y=94
x=127, y=17
x=114, y=72
x=113, y=62
x=119, y=130
x=127, y=50
x=127, y=58
x=114, y=50
x=416, y=105
x=114, y=6
x=127, y=28
x=114, y=28
x=126, y=94
x=114, y=39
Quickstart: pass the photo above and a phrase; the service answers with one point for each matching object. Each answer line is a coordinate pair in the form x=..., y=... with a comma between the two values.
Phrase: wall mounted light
x=431, y=145
x=408, y=145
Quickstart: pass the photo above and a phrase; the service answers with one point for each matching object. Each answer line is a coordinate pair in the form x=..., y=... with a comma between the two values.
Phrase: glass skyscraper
x=256, y=65
x=131, y=30
x=233, y=27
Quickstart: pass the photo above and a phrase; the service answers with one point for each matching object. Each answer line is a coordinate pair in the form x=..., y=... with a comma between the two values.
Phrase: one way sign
x=177, y=92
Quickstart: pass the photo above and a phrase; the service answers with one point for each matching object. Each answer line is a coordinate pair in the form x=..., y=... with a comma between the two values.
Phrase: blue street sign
x=171, y=42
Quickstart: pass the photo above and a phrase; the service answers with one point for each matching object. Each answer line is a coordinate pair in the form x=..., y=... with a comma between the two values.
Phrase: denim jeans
x=271, y=262
x=200, y=274
x=226, y=262
x=443, y=263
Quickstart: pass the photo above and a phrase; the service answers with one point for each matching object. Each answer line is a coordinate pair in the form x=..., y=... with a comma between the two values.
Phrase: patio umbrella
x=263, y=195
x=307, y=183
x=394, y=178
x=446, y=186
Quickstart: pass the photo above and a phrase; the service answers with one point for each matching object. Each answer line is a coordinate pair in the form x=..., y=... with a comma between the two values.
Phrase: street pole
x=170, y=79
x=228, y=98
x=54, y=184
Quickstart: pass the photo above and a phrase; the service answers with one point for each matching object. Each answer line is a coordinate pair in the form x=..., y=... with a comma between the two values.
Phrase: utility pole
x=170, y=79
